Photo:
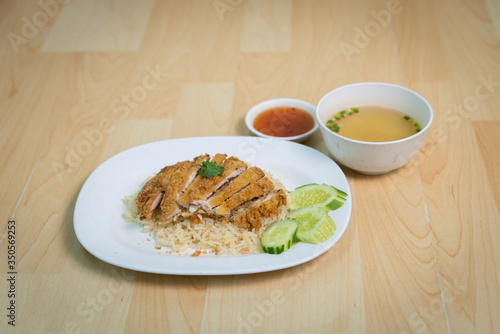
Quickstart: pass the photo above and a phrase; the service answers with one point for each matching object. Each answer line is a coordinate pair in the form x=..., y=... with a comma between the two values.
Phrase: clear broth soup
x=372, y=124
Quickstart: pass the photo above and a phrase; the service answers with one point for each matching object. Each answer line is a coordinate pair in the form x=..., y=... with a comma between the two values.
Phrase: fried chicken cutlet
x=240, y=194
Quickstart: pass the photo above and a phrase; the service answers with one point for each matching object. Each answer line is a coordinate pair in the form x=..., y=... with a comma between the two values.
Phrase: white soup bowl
x=373, y=157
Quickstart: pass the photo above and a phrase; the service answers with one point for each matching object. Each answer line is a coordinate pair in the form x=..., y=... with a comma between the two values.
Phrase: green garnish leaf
x=330, y=124
x=414, y=122
x=334, y=127
x=210, y=169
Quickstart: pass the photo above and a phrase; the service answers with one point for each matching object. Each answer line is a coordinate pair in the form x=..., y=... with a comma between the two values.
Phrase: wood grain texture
x=85, y=80
x=96, y=26
x=267, y=26
x=487, y=136
x=177, y=304
x=204, y=109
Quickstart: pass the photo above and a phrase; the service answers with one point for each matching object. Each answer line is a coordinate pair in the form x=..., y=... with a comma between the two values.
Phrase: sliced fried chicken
x=240, y=195
x=151, y=193
x=251, y=216
x=149, y=188
x=252, y=174
x=254, y=190
x=207, y=186
x=180, y=179
x=186, y=197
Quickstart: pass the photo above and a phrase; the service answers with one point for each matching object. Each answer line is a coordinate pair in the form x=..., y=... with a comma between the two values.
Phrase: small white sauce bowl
x=373, y=157
x=281, y=102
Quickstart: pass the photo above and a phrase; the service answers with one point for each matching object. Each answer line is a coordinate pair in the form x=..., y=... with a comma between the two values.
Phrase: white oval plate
x=101, y=230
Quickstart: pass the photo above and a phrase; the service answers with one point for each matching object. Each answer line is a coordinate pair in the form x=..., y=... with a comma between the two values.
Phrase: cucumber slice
x=321, y=195
x=314, y=224
x=279, y=236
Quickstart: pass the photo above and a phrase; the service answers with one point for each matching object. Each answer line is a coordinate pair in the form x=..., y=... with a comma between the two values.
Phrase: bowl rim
x=287, y=101
x=374, y=83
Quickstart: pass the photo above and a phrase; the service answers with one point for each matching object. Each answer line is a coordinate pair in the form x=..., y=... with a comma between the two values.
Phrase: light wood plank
x=488, y=139
x=85, y=80
x=266, y=26
x=189, y=54
x=422, y=29
x=25, y=74
x=494, y=11
x=114, y=26
x=126, y=134
x=449, y=156
x=478, y=83
x=204, y=109
x=34, y=116
x=463, y=219
x=176, y=304
x=92, y=301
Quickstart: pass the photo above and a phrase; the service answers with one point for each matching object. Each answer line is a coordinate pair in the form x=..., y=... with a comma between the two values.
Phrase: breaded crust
x=253, y=215
x=240, y=195
x=255, y=189
x=252, y=174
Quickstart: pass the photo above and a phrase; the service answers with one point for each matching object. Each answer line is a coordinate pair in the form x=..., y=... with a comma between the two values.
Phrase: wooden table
x=84, y=80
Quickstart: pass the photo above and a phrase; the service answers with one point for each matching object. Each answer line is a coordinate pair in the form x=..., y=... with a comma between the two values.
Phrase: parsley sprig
x=210, y=169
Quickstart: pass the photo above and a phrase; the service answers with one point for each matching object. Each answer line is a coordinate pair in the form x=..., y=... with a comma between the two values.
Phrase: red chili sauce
x=283, y=122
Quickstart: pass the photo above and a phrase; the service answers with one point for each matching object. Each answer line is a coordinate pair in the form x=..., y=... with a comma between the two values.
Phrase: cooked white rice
x=207, y=236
